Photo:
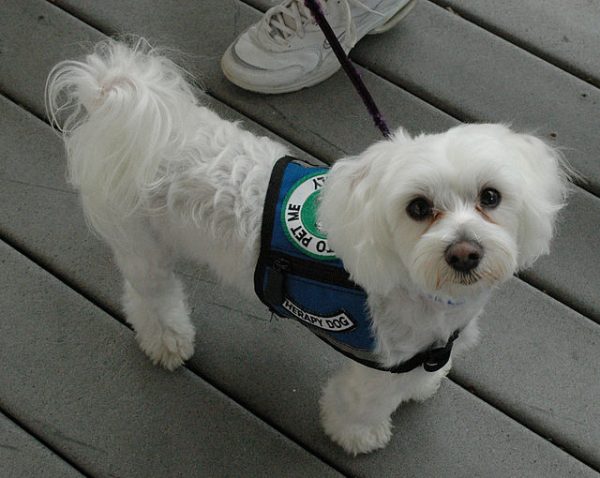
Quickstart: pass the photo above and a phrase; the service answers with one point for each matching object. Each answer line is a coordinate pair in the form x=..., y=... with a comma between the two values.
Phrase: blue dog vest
x=298, y=276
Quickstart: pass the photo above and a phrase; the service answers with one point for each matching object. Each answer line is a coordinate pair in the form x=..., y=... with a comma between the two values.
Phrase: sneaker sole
x=394, y=20
x=276, y=90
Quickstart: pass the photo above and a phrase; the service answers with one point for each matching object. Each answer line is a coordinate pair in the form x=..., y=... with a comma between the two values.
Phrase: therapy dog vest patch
x=298, y=276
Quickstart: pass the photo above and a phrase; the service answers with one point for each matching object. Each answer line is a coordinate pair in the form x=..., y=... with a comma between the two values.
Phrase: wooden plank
x=566, y=33
x=188, y=27
x=571, y=272
x=253, y=364
x=22, y=456
x=477, y=77
x=461, y=67
x=295, y=116
x=71, y=373
x=537, y=361
x=80, y=268
x=480, y=77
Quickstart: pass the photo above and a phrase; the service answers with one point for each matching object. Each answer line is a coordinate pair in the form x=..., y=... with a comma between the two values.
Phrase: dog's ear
x=353, y=214
x=546, y=182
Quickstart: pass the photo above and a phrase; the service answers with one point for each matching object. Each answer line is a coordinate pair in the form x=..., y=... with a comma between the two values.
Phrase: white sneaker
x=286, y=50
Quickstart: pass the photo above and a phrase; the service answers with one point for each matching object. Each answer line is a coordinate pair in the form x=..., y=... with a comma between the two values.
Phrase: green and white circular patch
x=299, y=217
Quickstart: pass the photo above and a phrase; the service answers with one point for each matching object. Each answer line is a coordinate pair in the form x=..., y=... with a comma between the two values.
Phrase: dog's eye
x=419, y=209
x=489, y=198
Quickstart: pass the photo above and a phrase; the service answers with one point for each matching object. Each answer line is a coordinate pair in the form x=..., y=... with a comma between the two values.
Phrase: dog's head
x=450, y=213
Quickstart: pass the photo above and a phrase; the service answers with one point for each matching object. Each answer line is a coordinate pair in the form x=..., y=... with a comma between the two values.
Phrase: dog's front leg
x=357, y=403
x=154, y=303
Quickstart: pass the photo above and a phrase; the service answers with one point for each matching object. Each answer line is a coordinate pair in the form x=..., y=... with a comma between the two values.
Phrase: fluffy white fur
x=162, y=177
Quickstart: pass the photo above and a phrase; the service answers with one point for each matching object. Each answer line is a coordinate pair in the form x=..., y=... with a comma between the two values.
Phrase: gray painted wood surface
x=564, y=33
x=71, y=373
x=23, y=456
x=533, y=378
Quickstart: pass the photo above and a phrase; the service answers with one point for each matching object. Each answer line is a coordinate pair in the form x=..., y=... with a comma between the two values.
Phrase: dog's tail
x=123, y=113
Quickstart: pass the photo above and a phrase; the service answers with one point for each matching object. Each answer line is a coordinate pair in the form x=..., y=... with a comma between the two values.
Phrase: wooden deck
x=77, y=397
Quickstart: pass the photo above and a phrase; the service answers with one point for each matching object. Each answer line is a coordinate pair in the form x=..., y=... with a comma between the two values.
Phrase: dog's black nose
x=464, y=256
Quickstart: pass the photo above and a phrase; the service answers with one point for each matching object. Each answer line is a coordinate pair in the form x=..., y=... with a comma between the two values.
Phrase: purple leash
x=353, y=74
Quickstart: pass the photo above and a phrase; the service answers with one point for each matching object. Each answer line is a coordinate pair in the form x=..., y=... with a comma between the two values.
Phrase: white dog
x=426, y=225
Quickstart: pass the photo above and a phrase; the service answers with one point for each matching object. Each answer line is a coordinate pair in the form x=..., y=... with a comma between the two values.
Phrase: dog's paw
x=359, y=438
x=346, y=425
x=168, y=348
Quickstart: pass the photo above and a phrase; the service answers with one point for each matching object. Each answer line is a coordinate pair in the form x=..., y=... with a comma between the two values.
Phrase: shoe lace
x=287, y=20
x=291, y=17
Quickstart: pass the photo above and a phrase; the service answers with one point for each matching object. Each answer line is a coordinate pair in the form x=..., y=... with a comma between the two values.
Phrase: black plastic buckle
x=435, y=359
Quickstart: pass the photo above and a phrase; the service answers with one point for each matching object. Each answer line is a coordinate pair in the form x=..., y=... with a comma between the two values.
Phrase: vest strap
x=432, y=359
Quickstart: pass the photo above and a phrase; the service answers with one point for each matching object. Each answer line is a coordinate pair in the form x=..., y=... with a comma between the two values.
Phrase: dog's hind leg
x=154, y=302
